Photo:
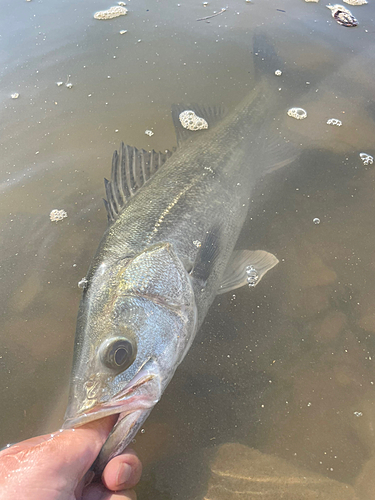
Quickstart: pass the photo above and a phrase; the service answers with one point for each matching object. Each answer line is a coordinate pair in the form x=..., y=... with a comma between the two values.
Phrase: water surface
x=286, y=368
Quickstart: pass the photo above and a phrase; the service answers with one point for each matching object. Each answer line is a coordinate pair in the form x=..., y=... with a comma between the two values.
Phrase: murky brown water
x=286, y=368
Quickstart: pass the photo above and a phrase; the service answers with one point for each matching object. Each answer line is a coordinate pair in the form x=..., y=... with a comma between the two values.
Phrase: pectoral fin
x=246, y=267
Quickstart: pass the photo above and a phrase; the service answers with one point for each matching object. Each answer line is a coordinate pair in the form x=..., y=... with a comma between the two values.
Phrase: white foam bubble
x=335, y=122
x=57, y=215
x=191, y=121
x=111, y=13
x=297, y=113
x=366, y=158
x=356, y=2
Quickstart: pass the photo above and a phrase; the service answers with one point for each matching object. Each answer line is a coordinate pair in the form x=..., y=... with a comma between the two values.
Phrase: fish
x=173, y=222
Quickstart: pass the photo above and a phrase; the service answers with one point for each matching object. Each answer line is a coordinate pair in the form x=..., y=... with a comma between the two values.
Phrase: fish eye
x=118, y=354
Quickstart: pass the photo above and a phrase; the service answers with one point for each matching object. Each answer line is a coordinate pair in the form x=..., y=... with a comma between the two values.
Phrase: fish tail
x=265, y=58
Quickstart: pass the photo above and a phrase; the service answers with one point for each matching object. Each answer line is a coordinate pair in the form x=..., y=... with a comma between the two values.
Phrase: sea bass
x=174, y=220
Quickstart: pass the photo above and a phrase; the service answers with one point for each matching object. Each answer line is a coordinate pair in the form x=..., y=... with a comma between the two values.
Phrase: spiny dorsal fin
x=131, y=169
x=212, y=115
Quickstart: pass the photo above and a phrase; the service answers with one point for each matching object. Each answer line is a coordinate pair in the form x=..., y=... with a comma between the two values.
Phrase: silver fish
x=174, y=220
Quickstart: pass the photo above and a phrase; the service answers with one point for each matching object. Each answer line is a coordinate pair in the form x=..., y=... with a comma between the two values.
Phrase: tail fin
x=267, y=61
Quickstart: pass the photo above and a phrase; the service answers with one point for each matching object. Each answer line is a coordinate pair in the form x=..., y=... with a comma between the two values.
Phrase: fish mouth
x=141, y=393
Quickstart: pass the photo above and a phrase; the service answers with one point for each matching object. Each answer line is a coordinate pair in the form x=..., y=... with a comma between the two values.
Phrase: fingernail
x=123, y=474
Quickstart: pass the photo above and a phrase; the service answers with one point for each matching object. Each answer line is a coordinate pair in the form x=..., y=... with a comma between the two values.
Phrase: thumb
x=74, y=450
x=56, y=461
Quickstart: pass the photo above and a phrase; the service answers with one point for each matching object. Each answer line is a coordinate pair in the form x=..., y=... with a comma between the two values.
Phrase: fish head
x=136, y=321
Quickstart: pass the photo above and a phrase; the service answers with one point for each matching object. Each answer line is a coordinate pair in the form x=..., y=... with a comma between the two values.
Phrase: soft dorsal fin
x=212, y=115
x=131, y=168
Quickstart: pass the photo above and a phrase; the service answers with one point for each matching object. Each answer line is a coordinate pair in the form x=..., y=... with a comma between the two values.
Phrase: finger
x=66, y=454
x=23, y=445
x=103, y=427
x=79, y=449
x=122, y=472
x=99, y=492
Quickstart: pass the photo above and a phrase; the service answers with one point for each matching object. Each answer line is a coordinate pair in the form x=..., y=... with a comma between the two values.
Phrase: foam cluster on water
x=111, y=13
x=191, y=121
x=335, y=122
x=297, y=113
x=366, y=158
x=356, y=2
x=57, y=215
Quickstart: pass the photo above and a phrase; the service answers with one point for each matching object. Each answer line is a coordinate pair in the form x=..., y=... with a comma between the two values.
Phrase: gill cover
x=135, y=313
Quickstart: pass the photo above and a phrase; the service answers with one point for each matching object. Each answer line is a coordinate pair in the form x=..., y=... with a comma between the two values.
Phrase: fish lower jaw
x=122, y=408
x=120, y=437
x=143, y=393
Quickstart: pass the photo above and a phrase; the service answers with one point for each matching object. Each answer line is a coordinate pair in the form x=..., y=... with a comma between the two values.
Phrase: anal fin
x=246, y=267
x=278, y=153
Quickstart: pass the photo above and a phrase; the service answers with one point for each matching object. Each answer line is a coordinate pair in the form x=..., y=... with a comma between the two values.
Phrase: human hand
x=55, y=467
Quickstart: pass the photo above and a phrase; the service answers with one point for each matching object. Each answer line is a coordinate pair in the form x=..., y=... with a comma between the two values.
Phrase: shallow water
x=286, y=368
